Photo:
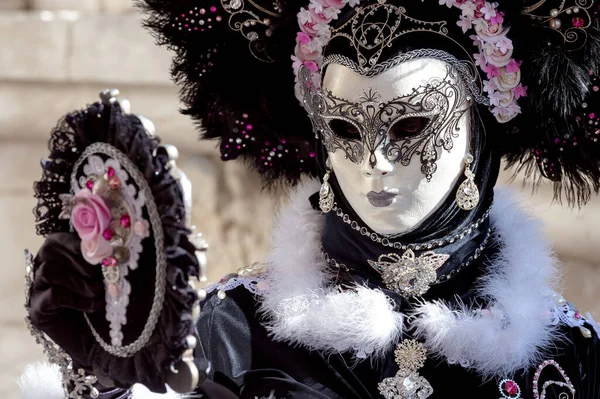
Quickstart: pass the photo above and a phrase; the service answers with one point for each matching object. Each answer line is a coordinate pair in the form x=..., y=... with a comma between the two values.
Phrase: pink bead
x=89, y=184
x=108, y=234
x=218, y=18
x=578, y=22
x=113, y=290
x=114, y=183
x=109, y=262
x=311, y=154
x=592, y=115
x=125, y=221
x=213, y=9
x=248, y=127
x=202, y=11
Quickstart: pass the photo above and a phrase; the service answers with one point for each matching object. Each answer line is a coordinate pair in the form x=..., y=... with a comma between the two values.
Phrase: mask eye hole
x=344, y=129
x=408, y=127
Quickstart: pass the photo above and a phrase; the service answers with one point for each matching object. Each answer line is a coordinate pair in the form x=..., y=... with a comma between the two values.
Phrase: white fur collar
x=509, y=336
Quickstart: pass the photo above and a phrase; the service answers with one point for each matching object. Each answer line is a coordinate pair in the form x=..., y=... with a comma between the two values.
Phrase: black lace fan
x=114, y=283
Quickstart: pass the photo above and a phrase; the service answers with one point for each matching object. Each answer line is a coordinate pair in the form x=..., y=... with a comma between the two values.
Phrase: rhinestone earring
x=467, y=195
x=326, y=193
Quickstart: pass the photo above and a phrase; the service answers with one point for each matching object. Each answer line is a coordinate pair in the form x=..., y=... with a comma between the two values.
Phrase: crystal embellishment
x=509, y=389
x=407, y=383
x=409, y=275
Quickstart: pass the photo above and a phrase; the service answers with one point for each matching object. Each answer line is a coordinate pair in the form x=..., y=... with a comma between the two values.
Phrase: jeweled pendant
x=467, y=195
x=326, y=199
x=407, y=383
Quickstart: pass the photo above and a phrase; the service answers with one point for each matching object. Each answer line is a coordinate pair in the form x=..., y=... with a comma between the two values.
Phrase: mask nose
x=376, y=164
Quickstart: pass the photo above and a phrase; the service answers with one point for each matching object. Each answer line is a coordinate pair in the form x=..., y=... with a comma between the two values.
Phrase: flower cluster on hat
x=503, y=72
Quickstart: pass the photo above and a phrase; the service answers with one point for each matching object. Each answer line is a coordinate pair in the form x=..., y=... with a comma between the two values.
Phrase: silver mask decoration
x=414, y=124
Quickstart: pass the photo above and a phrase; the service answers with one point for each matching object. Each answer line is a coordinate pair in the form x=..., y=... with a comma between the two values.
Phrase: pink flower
x=498, y=19
x=316, y=5
x=513, y=66
x=468, y=9
x=308, y=28
x=489, y=32
x=312, y=66
x=505, y=114
x=332, y=12
x=491, y=71
x=296, y=64
x=339, y=4
x=141, y=228
x=480, y=60
x=488, y=10
x=90, y=216
x=504, y=44
x=465, y=23
x=304, y=16
x=520, y=91
x=496, y=56
x=319, y=17
x=489, y=86
x=447, y=3
x=506, y=81
x=302, y=38
x=95, y=250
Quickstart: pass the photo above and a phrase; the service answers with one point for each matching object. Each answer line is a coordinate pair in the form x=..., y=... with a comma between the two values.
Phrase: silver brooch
x=407, y=383
x=408, y=274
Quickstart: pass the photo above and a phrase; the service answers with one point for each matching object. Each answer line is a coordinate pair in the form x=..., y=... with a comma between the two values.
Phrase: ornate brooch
x=407, y=384
x=408, y=274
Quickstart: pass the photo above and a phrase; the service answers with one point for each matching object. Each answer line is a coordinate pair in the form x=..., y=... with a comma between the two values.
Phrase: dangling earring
x=326, y=193
x=467, y=195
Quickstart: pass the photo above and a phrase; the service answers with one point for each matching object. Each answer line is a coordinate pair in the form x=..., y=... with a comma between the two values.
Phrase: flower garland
x=503, y=85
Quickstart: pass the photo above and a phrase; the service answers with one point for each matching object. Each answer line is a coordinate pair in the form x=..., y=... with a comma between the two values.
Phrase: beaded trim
x=161, y=265
x=445, y=277
x=566, y=383
x=387, y=241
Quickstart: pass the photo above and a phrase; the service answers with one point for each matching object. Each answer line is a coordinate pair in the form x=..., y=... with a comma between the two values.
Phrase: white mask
x=397, y=141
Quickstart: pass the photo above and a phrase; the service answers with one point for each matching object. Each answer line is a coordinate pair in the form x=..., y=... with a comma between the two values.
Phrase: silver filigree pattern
x=369, y=37
x=442, y=101
x=161, y=265
x=410, y=356
x=409, y=275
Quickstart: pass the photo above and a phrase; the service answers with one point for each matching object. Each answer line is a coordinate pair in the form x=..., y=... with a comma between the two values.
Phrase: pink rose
x=95, y=250
x=338, y=4
x=308, y=28
x=507, y=80
x=490, y=32
x=319, y=17
x=91, y=216
x=496, y=56
x=305, y=54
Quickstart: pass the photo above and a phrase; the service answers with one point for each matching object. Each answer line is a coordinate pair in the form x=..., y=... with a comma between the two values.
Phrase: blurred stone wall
x=56, y=55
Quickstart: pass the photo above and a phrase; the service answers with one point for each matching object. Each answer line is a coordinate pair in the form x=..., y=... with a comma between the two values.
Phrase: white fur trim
x=43, y=381
x=302, y=309
x=511, y=335
x=513, y=332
